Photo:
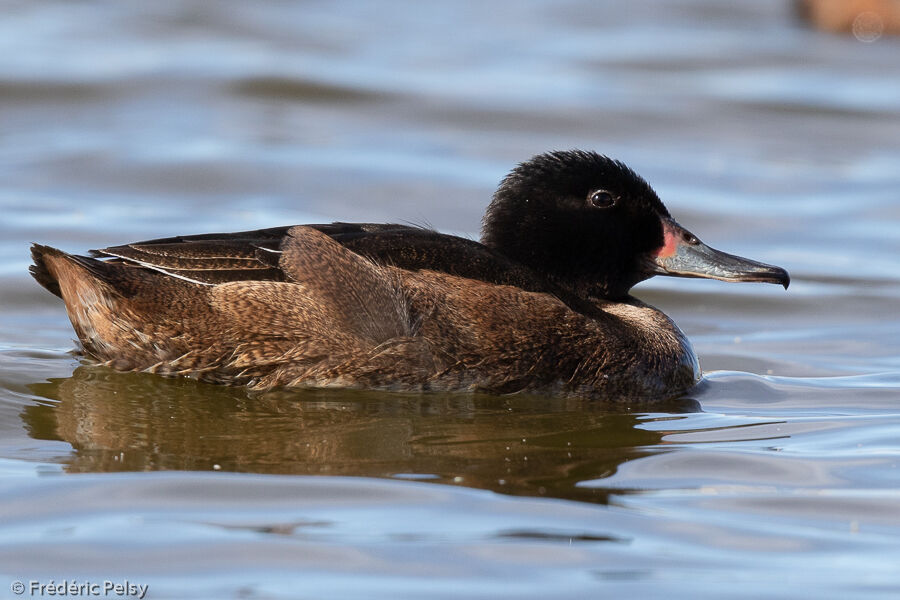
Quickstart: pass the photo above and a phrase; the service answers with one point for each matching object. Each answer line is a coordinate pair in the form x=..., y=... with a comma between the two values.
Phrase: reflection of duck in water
x=541, y=305
x=519, y=445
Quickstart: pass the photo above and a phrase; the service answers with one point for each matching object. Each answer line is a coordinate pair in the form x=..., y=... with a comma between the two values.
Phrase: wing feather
x=256, y=255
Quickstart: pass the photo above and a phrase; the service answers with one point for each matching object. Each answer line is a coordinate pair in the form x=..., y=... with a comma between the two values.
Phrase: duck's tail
x=41, y=271
x=88, y=287
x=49, y=263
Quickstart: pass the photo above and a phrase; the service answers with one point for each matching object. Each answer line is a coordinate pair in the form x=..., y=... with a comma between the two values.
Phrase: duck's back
x=255, y=255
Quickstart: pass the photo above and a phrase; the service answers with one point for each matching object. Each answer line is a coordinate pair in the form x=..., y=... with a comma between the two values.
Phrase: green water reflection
x=516, y=445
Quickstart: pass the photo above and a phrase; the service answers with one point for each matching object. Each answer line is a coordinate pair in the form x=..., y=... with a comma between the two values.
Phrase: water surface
x=777, y=477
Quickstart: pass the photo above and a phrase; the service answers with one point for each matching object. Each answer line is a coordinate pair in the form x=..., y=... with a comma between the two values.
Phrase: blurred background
x=771, y=129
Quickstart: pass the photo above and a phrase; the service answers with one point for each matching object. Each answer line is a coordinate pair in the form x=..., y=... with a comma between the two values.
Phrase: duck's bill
x=683, y=255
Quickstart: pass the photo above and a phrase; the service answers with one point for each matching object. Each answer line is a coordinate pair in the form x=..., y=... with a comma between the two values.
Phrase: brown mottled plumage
x=542, y=306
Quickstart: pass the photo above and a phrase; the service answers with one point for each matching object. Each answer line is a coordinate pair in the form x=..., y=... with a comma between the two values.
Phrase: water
x=778, y=477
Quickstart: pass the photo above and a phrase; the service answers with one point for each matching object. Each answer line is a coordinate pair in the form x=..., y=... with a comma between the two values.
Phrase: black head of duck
x=541, y=305
x=597, y=228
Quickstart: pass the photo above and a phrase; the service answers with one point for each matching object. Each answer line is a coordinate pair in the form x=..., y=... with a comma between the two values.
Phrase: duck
x=541, y=305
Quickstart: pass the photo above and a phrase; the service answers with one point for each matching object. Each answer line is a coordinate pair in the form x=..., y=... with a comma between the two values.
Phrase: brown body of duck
x=541, y=305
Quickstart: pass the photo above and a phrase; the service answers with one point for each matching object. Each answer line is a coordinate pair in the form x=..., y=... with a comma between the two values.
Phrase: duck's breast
x=507, y=340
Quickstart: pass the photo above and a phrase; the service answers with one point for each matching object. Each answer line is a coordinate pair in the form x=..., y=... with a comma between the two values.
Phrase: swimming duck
x=541, y=305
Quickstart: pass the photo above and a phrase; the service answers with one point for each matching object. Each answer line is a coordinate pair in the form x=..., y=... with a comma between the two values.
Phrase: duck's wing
x=222, y=257
x=254, y=255
x=414, y=248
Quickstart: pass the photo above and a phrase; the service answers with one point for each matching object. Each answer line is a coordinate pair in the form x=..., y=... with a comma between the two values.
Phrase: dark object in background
x=867, y=20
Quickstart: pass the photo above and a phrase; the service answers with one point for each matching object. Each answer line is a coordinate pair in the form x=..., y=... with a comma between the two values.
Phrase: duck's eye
x=602, y=199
